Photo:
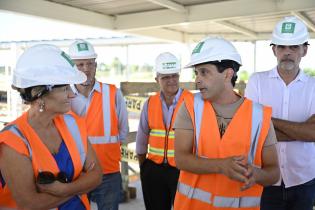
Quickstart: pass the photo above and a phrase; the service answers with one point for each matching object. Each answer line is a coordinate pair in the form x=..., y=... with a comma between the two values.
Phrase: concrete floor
x=137, y=203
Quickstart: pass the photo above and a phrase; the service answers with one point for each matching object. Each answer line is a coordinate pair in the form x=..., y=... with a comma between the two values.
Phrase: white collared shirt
x=295, y=102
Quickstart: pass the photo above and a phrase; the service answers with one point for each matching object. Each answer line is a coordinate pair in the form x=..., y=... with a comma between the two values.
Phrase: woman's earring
x=41, y=106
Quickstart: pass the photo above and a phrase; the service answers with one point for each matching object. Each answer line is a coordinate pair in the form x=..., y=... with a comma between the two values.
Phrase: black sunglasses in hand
x=47, y=177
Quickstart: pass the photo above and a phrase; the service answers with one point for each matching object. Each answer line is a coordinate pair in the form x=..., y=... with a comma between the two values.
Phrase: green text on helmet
x=288, y=27
x=82, y=49
x=167, y=63
x=198, y=47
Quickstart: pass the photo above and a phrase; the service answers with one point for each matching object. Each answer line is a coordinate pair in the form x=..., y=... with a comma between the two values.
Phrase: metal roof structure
x=173, y=20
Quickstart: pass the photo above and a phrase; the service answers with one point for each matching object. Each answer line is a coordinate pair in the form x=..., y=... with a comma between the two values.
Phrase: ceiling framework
x=173, y=20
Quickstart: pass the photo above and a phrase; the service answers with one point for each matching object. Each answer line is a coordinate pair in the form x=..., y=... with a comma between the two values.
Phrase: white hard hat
x=290, y=31
x=213, y=49
x=45, y=64
x=167, y=63
x=81, y=49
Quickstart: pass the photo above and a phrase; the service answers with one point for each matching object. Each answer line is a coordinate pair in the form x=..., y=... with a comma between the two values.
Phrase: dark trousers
x=300, y=197
x=159, y=184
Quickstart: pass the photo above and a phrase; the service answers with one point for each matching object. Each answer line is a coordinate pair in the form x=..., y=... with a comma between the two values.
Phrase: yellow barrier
x=128, y=155
x=135, y=103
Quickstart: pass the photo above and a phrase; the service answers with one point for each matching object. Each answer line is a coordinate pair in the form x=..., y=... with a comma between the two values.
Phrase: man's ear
x=305, y=48
x=273, y=49
x=229, y=73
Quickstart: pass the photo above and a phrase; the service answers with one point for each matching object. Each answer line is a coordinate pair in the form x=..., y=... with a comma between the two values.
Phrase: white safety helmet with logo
x=45, y=64
x=167, y=63
x=213, y=49
x=81, y=49
x=290, y=31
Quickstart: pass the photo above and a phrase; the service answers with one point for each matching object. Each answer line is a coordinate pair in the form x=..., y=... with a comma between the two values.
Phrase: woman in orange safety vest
x=46, y=161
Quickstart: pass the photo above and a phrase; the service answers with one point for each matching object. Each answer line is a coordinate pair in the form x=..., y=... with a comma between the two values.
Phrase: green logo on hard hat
x=169, y=65
x=288, y=28
x=68, y=59
x=82, y=47
x=198, y=48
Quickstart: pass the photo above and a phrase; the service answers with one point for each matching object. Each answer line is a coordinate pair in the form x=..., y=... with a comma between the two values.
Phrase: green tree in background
x=133, y=68
x=103, y=67
x=309, y=71
x=147, y=67
x=117, y=65
x=2, y=70
x=243, y=76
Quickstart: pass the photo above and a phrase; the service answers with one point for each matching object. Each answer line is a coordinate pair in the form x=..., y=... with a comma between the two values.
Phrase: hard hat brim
x=23, y=81
x=173, y=71
x=83, y=57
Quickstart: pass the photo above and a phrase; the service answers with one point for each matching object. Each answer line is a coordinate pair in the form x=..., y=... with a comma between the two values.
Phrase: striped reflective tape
x=103, y=139
x=218, y=201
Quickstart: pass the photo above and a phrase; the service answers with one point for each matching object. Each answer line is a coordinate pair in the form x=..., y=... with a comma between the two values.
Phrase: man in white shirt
x=291, y=94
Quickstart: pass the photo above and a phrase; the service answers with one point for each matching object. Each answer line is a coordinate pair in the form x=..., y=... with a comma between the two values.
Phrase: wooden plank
x=143, y=88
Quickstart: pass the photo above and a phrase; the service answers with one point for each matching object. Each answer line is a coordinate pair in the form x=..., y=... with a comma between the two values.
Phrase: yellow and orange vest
x=161, y=138
x=245, y=135
x=102, y=128
x=20, y=136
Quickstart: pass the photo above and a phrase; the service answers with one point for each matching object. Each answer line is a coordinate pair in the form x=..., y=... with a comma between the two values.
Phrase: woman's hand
x=56, y=188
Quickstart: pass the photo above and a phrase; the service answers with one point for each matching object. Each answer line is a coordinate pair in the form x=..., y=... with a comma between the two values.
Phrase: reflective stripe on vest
x=198, y=106
x=160, y=152
x=75, y=133
x=162, y=134
x=230, y=202
x=194, y=193
x=71, y=125
x=14, y=129
x=107, y=138
x=257, y=117
x=218, y=201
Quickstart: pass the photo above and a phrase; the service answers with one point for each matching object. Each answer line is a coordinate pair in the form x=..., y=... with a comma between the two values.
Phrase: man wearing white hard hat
x=155, y=136
x=46, y=160
x=290, y=93
x=105, y=112
x=225, y=143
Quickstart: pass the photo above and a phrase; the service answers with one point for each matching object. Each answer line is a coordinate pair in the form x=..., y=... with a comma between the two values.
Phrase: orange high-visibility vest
x=245, y=135
x=161, y=138
x=102, y=128
x=20, y=136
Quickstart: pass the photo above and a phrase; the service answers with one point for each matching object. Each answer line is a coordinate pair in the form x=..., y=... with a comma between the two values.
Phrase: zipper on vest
x=166, y=147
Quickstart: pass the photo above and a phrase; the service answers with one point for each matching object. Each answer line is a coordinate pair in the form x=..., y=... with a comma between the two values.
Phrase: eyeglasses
x=47, y=177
